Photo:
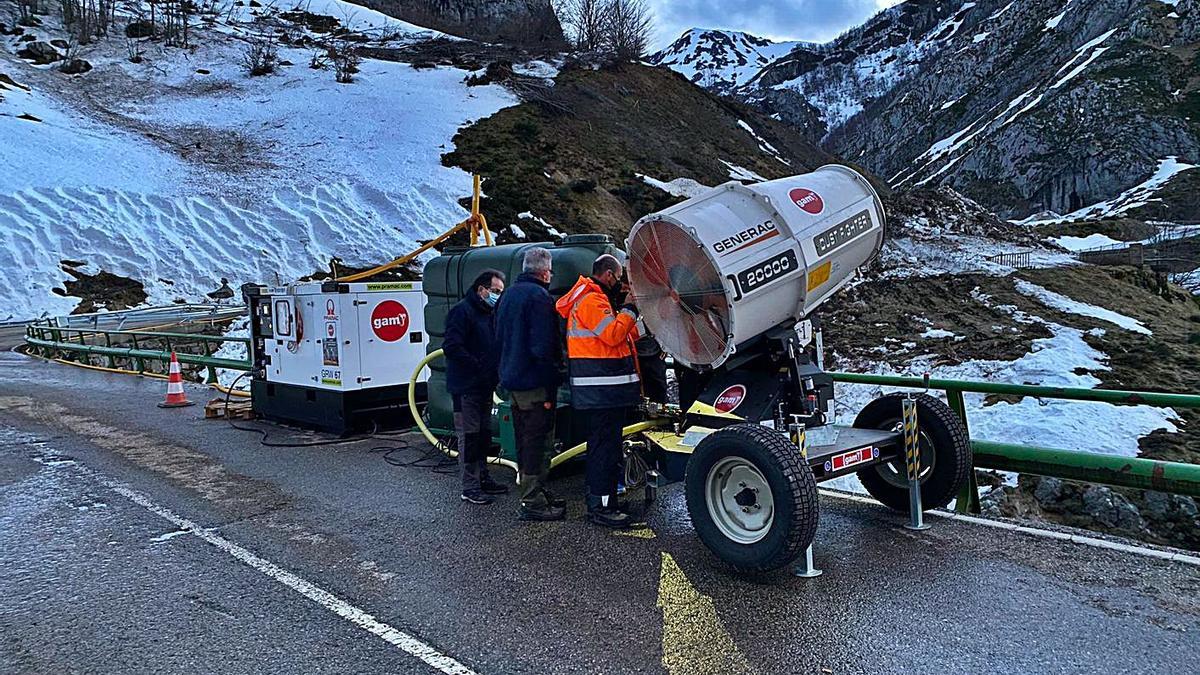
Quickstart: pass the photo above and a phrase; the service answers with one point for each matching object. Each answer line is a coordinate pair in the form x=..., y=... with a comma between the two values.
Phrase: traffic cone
x=175, y=396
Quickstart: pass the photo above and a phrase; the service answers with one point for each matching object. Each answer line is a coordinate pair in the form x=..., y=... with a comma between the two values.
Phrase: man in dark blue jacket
x=530, y=352
x=472, y=357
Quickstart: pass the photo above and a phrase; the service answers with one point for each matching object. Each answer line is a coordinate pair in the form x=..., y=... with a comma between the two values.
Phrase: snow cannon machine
x=731, y=283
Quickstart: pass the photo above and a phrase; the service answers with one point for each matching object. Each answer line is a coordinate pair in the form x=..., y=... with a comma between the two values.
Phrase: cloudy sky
x=813, y=20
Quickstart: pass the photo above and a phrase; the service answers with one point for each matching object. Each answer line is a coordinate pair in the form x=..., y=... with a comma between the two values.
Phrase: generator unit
x=336, y=356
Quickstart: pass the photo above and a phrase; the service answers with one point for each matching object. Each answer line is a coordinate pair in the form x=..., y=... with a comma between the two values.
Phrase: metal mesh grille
x=679, y=292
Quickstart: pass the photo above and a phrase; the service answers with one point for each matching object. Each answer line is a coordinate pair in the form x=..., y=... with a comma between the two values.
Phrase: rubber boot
x=601, y=513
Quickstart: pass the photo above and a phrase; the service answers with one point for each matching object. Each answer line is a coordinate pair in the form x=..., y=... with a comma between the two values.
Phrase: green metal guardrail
x=1091, y=467
x=1130, y=472
x=134, y=346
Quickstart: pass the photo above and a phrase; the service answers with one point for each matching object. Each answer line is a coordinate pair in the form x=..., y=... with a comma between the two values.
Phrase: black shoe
x=476, y=498
x=609, y=517
x=553, y=499
x=541, y=513
x=491, y=487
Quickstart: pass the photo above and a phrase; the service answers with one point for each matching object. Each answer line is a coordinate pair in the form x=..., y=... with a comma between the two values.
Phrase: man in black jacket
x=530, y=352
x=472, y=356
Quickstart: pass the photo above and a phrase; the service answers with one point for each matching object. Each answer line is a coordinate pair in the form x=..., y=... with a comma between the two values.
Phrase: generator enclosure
x=331, y=355
x=720, y=270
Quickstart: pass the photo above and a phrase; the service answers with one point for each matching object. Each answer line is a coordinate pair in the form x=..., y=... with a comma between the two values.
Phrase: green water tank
x=447, y=278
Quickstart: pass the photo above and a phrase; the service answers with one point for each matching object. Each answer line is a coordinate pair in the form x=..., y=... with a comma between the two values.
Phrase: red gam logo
x=730, y=399
x=389, y=320
x=807, y=200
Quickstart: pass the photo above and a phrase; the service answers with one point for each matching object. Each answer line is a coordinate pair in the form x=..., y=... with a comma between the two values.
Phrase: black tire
x=793, y=492
x=938, y=426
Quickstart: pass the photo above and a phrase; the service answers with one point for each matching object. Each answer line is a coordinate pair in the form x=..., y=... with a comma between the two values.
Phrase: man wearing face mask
x=602, y=365
x=472, y=361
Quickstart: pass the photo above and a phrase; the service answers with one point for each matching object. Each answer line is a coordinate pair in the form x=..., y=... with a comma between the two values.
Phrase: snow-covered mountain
x=721, y=60
x=1024, y=105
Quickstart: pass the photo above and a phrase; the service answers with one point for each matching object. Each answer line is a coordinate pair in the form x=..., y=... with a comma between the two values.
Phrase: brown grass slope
x=573, y=156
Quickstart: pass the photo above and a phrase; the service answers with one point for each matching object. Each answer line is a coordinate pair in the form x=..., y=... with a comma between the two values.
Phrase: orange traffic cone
x=175, y=396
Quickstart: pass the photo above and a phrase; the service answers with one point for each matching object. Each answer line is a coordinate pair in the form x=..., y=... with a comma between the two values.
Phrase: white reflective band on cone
x=603, y=380
x=174, y=387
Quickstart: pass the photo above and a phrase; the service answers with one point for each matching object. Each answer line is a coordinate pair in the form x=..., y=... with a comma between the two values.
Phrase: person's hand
x=631, y=308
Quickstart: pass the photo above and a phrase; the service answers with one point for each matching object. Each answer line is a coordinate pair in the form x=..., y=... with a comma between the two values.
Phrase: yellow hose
x=558, y=459
x=412, y=408
x=627, y=431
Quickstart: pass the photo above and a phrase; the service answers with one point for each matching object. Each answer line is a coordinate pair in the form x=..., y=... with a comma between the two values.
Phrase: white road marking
x=398, y=638
x=1036, y=532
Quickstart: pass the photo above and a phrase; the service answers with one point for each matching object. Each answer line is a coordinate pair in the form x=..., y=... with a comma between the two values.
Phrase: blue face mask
x=492, y=298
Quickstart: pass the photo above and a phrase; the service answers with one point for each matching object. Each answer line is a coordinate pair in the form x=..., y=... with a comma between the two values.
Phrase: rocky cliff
x=1025, y=106
x=529, y=23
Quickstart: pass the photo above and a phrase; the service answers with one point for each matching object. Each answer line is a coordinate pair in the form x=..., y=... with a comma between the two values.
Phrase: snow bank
x=1095, y=240
x=328, y=169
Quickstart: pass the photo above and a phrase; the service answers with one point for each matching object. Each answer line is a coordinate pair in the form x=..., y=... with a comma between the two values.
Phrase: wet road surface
x=328, y=559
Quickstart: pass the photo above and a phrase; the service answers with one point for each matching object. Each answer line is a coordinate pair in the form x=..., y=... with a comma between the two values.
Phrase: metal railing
x=1017, y=259
x=133, y=350
x=1131, y=472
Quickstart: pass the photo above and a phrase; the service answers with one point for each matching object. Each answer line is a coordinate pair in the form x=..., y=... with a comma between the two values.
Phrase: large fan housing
x=722, y=268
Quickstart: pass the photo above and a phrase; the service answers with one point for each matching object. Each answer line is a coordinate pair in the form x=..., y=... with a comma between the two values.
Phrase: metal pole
x=912, y=461
x=805, y=569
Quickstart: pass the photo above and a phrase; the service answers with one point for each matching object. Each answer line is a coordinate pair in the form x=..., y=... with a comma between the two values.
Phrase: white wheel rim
x=739, y=499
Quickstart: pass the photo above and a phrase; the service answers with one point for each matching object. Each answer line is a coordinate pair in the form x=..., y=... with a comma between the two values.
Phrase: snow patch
x=743, y=174
x=680, y=187
x=1095, y=240
x=1065, y=304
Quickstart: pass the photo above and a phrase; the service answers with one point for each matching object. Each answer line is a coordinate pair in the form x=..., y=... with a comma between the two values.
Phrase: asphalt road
x=136, y=539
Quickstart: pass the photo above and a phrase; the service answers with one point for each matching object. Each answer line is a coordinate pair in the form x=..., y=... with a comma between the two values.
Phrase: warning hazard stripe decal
x=772, y=233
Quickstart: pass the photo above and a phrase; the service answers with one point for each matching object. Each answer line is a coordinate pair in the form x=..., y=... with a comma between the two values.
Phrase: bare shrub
x=585, y=21
x=345, y=60
x=133, y=48
x=26, y=9
x=627, y=30
x=260, y=56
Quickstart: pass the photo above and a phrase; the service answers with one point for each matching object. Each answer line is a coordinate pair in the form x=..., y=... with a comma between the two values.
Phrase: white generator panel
x=362, y=336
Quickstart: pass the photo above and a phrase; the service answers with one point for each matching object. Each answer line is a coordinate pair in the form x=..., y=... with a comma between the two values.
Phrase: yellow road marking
x=694, y=639
x=640, y=533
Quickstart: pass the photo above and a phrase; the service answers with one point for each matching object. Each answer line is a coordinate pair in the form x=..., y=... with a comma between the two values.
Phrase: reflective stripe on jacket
x=601, y=358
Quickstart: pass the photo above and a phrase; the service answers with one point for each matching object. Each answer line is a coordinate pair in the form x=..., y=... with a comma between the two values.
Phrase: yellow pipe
x=558, y=459
x=475, y=222
x=627, y=431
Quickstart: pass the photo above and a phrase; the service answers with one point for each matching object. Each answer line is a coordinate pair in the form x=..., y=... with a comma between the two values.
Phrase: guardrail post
x=912, y=462
x=138, y=360
x=968, y=497
x=112, y=360
x=212, y=371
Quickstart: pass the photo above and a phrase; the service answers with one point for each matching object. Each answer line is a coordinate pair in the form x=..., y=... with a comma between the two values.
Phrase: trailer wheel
x=752, y=498
x=945, y=453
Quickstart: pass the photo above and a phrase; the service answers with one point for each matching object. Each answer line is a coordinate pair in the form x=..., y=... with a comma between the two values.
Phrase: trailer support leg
x=805, y=568
x=912, y=461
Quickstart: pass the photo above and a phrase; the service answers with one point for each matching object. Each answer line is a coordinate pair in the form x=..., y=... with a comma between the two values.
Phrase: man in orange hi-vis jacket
x=602, y=365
